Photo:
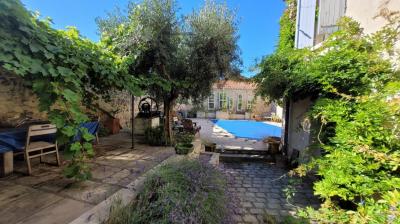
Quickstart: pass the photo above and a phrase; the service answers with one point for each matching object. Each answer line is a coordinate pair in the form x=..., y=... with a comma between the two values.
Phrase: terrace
x=47, y=196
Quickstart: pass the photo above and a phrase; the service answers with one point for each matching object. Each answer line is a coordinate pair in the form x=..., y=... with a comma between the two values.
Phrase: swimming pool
x=249, y=129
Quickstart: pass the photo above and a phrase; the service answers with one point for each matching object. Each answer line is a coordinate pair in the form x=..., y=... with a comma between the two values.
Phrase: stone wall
x=119, y=107
x=17, y=102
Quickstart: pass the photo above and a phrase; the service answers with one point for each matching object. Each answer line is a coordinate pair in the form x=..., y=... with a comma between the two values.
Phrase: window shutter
x=330, y=11
x=305, y=23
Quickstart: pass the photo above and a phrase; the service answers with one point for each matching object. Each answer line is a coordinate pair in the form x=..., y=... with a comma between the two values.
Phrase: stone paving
x=258, y=189
x=48, y=197
x=212, y=133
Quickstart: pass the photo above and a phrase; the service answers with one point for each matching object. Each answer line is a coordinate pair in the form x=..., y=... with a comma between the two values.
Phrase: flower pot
x=112, y=124
x=210, y=147
x=273, y=148
x=273, y=144
x=183, y=148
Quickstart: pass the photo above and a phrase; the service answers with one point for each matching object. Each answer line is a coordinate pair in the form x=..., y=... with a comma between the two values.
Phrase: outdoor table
x=10, y=140
x=92, y=128
x=13, y=140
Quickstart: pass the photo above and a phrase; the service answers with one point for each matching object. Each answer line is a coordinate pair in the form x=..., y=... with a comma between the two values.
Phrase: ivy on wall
x=354, y=82
x=65, y=71
x=287, y=25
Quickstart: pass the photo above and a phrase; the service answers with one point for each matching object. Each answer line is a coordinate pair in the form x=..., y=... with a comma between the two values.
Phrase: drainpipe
x=133, y=121
x=286, y=131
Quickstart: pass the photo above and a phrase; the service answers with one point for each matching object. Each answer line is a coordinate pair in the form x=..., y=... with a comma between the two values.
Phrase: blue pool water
x=249, y=129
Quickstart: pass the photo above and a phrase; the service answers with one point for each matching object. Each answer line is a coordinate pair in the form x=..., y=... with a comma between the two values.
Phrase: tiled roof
x=231, y=84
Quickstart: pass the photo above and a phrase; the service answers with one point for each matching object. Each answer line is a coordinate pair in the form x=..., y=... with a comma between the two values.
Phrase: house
x=316, y=20
x=231, y=99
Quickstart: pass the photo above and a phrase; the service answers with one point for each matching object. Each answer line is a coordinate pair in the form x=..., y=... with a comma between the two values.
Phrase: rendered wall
x=367, y=12
x=299, y=135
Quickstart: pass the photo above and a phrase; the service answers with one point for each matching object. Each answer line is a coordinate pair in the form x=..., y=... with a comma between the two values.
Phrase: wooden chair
x=35, y=149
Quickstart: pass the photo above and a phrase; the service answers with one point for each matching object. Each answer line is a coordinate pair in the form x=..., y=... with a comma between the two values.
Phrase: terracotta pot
x=210, y=147
x=113, y=125
x=273, y=144
x=274, y=147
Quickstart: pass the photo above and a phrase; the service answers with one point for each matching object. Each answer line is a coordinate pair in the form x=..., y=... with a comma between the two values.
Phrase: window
x=222, y=100
x=211, y=102
x=240, y=103
x=249, y=104
x=230, y=103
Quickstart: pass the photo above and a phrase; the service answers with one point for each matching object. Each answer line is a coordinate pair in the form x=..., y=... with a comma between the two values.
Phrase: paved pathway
x=258, y=189
x=48, y=197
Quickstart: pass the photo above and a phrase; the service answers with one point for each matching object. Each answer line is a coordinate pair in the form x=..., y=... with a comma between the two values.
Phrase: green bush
x=184, y=137
x=179, y=192
x=155, y=136
x=103, y=131
x=353, y=88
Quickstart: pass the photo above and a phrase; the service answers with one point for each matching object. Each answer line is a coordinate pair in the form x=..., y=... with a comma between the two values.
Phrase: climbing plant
x=354, y=80
x=287, y=26
x=360, y=169
x=64, y=70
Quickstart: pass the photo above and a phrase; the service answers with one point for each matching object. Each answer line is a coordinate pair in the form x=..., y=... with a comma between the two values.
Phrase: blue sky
x=258, y=20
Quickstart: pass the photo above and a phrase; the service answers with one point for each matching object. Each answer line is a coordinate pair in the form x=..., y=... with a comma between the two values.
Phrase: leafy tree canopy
x=187, y=53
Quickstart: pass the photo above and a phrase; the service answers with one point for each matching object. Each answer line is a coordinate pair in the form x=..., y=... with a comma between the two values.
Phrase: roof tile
x=231, y=84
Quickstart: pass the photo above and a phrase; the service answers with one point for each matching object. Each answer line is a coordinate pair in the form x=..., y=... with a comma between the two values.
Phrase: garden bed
x=185, y=191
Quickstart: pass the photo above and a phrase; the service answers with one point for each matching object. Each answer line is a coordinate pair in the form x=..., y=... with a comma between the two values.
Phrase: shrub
x=183, y=148
x=353, y=87
x=155, y=136
x=184, y=137
x=186, y=191
x=103, y=131
x=270, y=219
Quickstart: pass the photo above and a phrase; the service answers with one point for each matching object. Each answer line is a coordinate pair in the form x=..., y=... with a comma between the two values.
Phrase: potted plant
x=209, y=146
x=184, y=143
x=184, y=137
x=183, y=148
x=273, y=144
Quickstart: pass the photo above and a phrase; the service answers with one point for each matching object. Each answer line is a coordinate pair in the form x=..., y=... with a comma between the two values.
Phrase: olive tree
x=188, y=53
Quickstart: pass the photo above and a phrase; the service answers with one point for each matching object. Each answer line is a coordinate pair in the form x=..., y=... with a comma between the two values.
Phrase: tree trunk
x=168, y=108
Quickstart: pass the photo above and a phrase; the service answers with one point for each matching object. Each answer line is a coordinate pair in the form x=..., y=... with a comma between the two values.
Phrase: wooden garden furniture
x=35, y=149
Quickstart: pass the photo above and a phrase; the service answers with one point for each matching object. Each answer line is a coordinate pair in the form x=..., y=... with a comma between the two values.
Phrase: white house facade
x=231, y=99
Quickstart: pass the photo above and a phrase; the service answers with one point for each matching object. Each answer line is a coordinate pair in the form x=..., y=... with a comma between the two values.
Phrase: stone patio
x=212, y=133
x=48, y=197
x=258, y=189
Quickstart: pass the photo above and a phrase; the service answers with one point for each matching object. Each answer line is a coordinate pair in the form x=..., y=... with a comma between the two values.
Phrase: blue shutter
x=305, y=23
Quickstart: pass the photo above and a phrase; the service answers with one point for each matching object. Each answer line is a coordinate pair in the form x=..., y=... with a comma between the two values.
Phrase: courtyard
x=47, y=196
x=259, y=189
x=200, y=112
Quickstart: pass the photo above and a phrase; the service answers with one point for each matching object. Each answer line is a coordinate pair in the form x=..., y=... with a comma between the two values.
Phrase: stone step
x=243, y=151
x=227, y=157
